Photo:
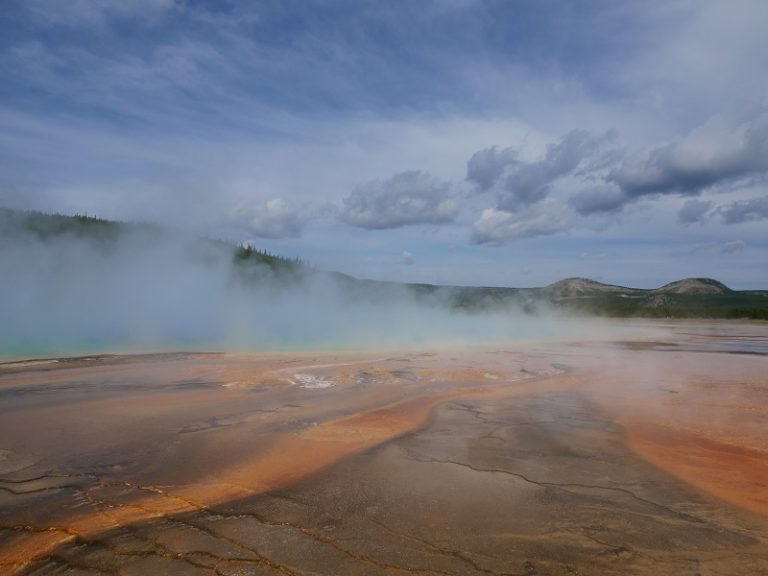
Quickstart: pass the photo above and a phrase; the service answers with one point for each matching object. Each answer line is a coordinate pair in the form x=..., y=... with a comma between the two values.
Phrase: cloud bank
x=751, y=210
x=712, y=154
x=274, y=218
x=269, y=122
x=407, y=198
x=495, y=227
x=519, y=183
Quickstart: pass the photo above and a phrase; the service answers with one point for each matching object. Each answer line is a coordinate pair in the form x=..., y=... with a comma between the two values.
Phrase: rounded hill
x=694, y=286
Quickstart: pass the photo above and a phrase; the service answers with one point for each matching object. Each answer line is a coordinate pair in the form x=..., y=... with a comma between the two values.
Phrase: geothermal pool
x=646, y=455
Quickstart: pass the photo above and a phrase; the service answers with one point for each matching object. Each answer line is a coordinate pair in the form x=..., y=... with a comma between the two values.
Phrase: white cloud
x=406, y=198
x=497, y=226
x=519, y=182
x=715, y=152
x=274, y=218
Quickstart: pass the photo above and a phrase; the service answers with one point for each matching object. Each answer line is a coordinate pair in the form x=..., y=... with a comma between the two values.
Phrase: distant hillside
x=581, y=288
x=694, y=286
x=686, y=298
x=105, y=233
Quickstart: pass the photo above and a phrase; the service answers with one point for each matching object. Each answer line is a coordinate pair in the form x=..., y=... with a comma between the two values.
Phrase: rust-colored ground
x=734, y=473
x=701, y=416
x=404, y=396
x=91, y=447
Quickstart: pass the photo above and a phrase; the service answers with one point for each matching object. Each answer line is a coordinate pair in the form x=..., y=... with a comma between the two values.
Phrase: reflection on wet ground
x=643, y=457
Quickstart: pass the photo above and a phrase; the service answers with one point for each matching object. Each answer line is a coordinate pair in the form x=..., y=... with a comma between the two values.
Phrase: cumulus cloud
x=274, y=218
x=496, y=226
x=600, y=198
x=693, y=210
x=726, y=150
x=745, y=210
x=521, y=183
x=412, y=197
x=486, y=166
x=715, y=153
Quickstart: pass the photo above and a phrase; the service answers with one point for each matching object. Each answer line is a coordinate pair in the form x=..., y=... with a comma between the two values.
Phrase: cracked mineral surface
x=617, y=457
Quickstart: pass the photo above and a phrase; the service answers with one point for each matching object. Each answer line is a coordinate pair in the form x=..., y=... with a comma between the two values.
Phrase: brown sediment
x=699, y=417
x=109, y=448
x=734, y=473
x=287, y=457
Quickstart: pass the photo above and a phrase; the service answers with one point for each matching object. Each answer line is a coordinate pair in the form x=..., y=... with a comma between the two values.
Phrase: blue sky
x=456, y=141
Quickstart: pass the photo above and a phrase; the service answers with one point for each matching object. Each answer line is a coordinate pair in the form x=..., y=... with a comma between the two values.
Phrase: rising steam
x=139, y=288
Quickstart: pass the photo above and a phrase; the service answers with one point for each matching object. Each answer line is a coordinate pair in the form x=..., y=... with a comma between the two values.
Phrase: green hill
x=50, y=227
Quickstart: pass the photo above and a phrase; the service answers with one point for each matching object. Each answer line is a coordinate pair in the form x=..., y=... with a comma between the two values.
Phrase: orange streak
x=736, y=474
x=290, y=458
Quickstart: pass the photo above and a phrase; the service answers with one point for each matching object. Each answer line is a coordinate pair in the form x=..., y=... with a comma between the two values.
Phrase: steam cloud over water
x=141, y=288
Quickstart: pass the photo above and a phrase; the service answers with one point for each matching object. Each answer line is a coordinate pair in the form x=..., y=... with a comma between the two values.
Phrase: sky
x=471, y=142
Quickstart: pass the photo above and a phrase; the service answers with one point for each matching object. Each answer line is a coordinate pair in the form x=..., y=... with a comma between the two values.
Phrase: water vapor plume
x=79, y=285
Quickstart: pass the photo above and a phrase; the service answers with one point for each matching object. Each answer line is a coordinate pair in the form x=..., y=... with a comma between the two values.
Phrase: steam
x=142, y=289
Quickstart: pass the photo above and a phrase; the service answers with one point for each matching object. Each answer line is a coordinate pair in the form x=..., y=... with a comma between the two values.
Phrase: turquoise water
x=433, y=330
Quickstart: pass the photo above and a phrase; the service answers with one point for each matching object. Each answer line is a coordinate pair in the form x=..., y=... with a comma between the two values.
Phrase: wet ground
x=647, y=456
